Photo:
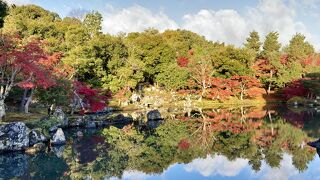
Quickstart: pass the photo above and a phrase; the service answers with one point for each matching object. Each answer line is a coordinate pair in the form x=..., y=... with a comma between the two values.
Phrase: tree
x=244, y=84
x=230, y=61
x=253, y=42
x=270, y=45
x=269, y=63
x=200, y=67
x=220, y=88
x=21, y=65
x=298, y=49
x=173, y=77
x=3, y=12
x=151, y=50
x=92, y=22
x=89, y=99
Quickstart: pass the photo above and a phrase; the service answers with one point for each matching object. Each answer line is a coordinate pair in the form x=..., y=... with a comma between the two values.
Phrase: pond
x=233, y=143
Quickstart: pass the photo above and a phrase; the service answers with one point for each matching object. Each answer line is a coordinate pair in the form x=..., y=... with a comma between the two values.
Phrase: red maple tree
x=243, y=83
x=22, y=63
x=91, y=100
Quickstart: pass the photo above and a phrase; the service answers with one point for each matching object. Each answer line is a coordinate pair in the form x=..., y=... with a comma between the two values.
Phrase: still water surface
x=235, y=143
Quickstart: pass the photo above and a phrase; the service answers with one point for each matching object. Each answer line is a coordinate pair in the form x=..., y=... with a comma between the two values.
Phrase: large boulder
x=14, y=137
x=154, y=115
x=61, y=116
x=35, y=137
x=58, y=138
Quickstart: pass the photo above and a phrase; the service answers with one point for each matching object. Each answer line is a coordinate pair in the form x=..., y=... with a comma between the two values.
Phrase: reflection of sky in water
x=219, y=167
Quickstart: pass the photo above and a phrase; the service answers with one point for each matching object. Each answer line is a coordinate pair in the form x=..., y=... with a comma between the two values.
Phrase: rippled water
x=235, y=143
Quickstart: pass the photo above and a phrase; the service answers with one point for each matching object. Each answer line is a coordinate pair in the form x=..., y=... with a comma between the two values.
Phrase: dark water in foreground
x=237, y=143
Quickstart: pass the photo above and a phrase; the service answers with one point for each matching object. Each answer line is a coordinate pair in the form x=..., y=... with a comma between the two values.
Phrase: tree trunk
x=203, y=90
x=241, y=95
x=269, y=85
x=28, y=102
x=270, y=119
x=23, y=100
x=2, y=109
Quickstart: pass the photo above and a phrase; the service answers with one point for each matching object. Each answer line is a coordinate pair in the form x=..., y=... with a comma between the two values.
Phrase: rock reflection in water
x=13, y=165
x=237, y=142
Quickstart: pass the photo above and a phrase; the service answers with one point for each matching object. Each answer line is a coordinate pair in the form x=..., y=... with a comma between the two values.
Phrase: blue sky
x=229, y=21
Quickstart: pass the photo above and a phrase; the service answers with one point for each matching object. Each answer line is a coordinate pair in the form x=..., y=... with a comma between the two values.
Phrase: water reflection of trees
x=256, y=135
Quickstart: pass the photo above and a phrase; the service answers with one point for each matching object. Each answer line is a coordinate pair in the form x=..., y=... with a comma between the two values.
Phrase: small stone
x=62, y=117
x=90, y=124
x=154, y=115
x=58, y=150
x=79, y=134
x=58, y=138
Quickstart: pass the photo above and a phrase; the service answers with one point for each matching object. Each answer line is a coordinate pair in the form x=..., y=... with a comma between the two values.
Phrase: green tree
x=270, y=45
x=92, y=22
x=173, y=77
x=271, y=53
x=152, y=51
x=253, y=42
x=298, y=49
x=3, y=12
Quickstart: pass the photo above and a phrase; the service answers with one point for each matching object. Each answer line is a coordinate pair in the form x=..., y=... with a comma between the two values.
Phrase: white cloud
x=18, y=2
x=231, y=27
x=223, y=25
x=135, y=18
x=217, y=165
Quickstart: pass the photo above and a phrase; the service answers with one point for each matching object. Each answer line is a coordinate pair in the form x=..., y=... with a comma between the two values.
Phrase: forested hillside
x=53, y=59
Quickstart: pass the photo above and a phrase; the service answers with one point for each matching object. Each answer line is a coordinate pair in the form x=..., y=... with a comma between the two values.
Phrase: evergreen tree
x=298, y=48
x=253, y=42
x=3, y=12
x=271, y=45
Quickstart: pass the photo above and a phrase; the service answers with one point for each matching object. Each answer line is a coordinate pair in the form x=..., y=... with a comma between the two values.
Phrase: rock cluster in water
x=18, y=137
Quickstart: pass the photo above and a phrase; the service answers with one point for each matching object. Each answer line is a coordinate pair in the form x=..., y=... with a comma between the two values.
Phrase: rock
x=154, y=124
x=154, y=115
x=53, y=129
x=58, y=138
x=135, y=98
x=90, y=124
x=77, y=123
x=58, y=150
x=35, y=137
x=61, y=116
x=14, y=137
x=13, y=165
x=36, y=148
x=79, y=134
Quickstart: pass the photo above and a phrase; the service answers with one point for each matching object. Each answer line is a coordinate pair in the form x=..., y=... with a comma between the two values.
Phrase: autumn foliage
x=25, y=63
x=94, y=99
x=296, y=88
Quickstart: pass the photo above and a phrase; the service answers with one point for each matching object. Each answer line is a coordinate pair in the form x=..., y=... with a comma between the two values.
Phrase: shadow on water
x=252, y=137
